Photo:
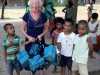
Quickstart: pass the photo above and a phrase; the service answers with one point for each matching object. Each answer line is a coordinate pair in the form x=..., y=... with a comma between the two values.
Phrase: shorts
x=81, y=68
x=13, y=65
x=93, y=38
x=66, y=61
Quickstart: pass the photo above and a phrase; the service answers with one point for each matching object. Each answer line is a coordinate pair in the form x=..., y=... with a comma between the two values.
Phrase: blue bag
x=26, y=66
x=17, y=65
x=34, y=49
x=36, y=62
x=22, y=57
x=50, y=53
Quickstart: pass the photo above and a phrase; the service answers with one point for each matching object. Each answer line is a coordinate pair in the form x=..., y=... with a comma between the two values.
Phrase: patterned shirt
x=11, y=50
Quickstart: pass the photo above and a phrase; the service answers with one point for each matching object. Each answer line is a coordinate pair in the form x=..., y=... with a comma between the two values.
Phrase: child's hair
x=70, y=21
x=56, y=21
x=95, y=16
x=84, y=23
x=59, y=20
x=7, y=24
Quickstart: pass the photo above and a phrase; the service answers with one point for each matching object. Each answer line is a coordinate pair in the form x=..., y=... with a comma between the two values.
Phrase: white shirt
x=81, y=49
x=67, y=42
x=92, y=26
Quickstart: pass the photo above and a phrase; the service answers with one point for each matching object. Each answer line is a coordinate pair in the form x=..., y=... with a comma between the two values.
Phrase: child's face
x=82, y=29
x=59, y=25
x=67, y=27
x=10, y=30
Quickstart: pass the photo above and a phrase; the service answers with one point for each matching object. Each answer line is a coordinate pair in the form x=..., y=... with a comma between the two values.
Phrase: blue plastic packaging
x=50, y=53
x=22, y=57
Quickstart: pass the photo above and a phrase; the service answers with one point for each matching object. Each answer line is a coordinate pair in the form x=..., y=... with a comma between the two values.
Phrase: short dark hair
x=85, y=23
x=59, y=20
x=70, y=21
x=95, y=16
x=7, y=24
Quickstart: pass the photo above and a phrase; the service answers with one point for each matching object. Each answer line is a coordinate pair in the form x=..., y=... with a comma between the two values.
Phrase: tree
x=4, y=3
x=75, y=9
x=70, y=9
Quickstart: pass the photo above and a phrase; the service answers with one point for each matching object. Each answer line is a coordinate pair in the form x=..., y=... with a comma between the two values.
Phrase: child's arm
x=59, y=46
x=54, y=40
x=5, y=55
x=90, y=47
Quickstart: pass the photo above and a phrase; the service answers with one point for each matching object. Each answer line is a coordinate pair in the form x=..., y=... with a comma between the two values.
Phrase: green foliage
x=55, y=2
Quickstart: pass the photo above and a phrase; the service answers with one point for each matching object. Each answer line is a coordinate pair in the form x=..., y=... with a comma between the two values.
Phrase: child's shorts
x=81, y=68
x=66, y=61
x=13, y=65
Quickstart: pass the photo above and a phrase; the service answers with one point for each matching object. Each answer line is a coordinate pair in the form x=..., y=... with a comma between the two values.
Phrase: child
x=65, y=45
x=58, y=29
x=93, y=27
x=81, y=49
x=11, y=44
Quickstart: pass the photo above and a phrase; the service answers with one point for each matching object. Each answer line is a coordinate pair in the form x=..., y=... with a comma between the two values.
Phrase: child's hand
x=10, y=44
x=91, y=54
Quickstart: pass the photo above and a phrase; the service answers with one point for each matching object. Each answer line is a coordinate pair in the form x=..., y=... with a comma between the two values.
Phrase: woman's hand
x=31, y=39
x=39, y=37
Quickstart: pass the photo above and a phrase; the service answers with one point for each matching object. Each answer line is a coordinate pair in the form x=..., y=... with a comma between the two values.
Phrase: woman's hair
x=7, y=24
x=84, y=23
x=35, y=3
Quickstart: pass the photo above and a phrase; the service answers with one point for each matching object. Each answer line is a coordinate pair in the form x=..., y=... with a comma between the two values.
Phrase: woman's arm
x=24, y=30
x=46, y=26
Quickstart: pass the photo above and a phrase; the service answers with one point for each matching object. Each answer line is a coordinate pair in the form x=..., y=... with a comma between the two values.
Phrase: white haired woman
x=35, y=24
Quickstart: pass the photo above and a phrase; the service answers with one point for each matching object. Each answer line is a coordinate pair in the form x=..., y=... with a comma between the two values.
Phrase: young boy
x=81, y=49
x=11, y=44
x=65, y=45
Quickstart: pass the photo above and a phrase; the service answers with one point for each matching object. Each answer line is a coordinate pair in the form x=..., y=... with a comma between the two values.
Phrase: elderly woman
x=35, y=24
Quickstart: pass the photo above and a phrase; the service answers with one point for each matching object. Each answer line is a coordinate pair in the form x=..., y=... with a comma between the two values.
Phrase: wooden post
x=3, y=8
x=75, y=10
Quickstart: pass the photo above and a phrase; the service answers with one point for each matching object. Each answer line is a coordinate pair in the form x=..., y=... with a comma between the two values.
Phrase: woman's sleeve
x=44, y=18
x=25, y=17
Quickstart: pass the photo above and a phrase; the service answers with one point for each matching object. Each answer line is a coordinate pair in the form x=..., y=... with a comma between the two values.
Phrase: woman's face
x=35, y=6
x=35, y=9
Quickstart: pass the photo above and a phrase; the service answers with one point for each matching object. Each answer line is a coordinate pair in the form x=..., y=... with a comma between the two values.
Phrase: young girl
x=11, y=44
x=65, y=45
x=58, y=29
x=81, y=50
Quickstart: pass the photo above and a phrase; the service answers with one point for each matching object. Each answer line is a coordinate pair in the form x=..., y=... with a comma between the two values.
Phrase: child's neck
x=10, y=36
x=93, y=21
x=80, y=35
x=66, y=33
x=58, y=30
